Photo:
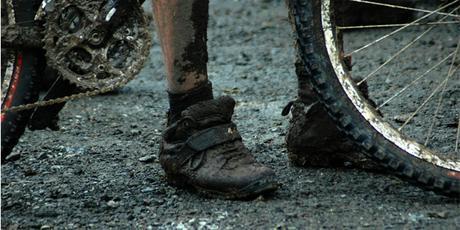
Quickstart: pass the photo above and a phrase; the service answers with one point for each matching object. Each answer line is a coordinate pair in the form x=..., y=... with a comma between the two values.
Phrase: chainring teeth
x=92, y=67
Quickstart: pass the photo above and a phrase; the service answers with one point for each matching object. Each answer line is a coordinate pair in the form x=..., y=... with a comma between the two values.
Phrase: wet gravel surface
x=101, y=169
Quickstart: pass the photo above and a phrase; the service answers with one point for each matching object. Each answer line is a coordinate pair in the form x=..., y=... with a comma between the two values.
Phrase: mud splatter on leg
x=182, y=27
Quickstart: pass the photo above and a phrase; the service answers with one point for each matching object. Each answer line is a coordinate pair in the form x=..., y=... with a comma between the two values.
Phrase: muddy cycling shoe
x=204, y=150
x=313, y=139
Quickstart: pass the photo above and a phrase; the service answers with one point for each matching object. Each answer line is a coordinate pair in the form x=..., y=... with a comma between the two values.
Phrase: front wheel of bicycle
x=410, y=138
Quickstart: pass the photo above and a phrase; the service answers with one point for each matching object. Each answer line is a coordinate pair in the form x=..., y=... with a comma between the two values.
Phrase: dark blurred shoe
x=203, y=150
x=313, y=140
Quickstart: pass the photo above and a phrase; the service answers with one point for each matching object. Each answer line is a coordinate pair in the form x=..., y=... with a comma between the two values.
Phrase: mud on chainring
x=90, y=62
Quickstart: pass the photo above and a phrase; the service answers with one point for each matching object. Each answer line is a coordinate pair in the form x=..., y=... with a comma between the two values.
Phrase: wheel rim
x=381, y=125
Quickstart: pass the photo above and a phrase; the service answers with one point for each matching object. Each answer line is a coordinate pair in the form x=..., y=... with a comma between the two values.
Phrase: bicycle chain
x=81, y=95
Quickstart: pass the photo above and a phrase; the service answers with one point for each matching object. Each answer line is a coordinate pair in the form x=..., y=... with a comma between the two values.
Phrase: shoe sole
x=258, y=188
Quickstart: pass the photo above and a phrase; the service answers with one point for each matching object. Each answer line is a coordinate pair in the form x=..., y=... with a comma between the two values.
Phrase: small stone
x=46, y=213
x=414, y=217
x=135, y=132
x=440, y=215
x=146, y=201
x=181, y=226
x=148, y=159
x=57, y=167
x=261, y=198
x=147, y=189
x=13, y=227
x=401, y=118
x=30, y=172
x=71, y=150
x=112, y=204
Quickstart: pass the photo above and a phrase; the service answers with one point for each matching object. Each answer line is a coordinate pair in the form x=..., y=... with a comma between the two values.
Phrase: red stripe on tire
x=14, y=84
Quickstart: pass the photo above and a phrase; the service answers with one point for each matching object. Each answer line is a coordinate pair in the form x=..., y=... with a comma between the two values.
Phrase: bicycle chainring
x=79, y=49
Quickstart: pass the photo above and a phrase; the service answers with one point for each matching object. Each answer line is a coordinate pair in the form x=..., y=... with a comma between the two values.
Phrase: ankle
x=179, y=102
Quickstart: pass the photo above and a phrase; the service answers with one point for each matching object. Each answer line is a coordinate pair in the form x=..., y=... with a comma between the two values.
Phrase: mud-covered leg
x=182, y=29
x=201, y=147
x=182, y=26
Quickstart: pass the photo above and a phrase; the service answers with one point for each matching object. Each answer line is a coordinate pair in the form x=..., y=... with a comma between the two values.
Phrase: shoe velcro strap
x=205, y=139
x=213, y=136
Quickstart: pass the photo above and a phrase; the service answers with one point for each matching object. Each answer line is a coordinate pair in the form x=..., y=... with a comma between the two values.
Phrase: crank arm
x=22, y=36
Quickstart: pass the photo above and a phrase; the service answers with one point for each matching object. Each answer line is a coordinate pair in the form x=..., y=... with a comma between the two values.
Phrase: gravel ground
x=101, y=169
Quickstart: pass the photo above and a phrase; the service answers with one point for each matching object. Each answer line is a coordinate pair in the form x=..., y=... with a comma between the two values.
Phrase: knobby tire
x=305, y=16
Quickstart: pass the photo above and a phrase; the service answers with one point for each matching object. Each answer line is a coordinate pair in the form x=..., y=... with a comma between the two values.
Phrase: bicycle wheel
x=19, y=76
x=423, y=150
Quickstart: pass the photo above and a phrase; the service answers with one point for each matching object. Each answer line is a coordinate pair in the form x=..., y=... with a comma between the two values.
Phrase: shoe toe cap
x=242, y=182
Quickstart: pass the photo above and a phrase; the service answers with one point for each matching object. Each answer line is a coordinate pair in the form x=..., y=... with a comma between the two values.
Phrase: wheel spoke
x=404, y=8
x=334, y=44
x=426, y=100
x=395, y=55
x=441, y=97
x=402, y=50
x=414, y=81
x=402, y=28
x=396, y=25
